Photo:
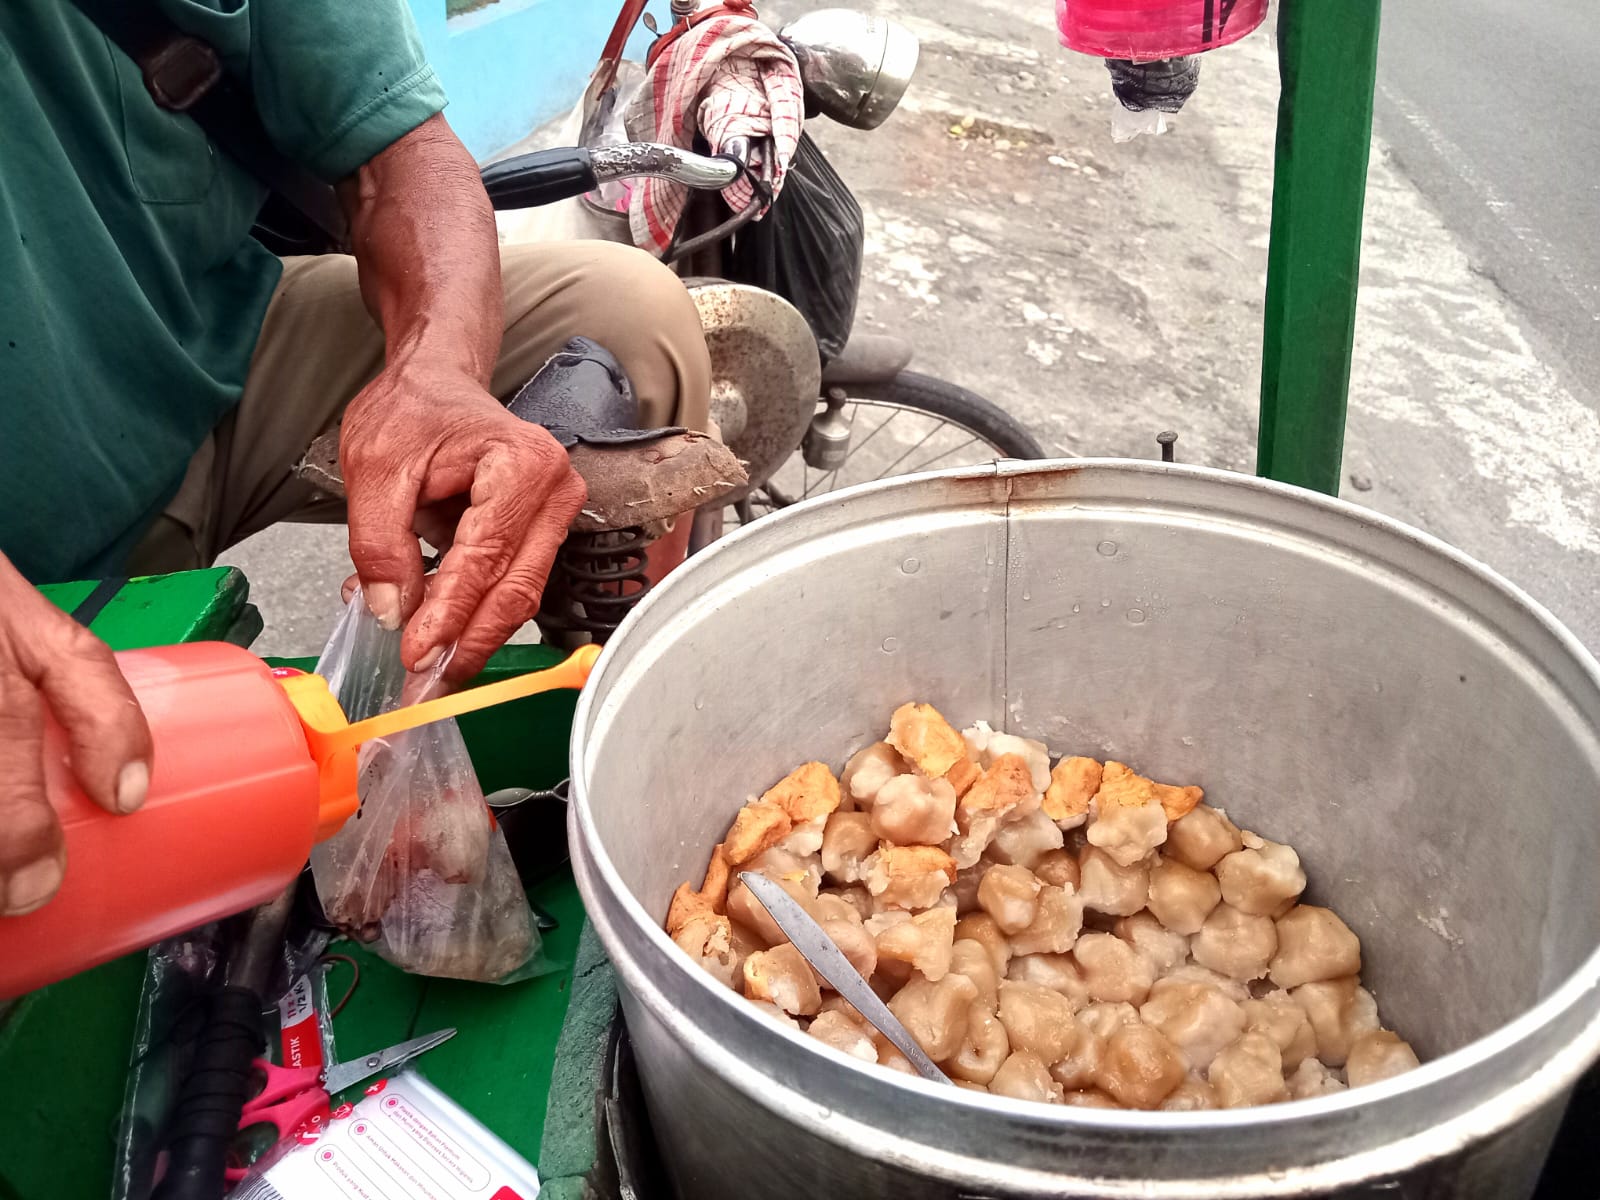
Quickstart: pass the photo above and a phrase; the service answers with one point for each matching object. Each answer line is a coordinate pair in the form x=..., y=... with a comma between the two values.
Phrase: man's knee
x=627, y=301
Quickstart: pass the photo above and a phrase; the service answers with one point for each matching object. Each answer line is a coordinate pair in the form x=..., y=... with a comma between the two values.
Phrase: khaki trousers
x=319, y=347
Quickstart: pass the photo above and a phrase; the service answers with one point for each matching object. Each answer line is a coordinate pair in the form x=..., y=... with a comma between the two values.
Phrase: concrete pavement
x=1104, y=292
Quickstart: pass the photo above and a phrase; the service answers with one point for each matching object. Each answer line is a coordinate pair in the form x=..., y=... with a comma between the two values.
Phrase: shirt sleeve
x=339, y=81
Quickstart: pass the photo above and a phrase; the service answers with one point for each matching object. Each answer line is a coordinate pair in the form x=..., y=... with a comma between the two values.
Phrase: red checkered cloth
x=727, y=77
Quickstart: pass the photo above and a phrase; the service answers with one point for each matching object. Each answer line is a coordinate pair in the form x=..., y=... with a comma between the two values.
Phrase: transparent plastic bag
x=421, y=871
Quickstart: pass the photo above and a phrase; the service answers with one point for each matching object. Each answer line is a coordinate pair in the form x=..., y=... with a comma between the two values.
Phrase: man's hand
x=48, y=662
x=425, y=440
x=416, y=444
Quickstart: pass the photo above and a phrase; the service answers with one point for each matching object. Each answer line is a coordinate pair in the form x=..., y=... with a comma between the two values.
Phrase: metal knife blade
x=817, y=948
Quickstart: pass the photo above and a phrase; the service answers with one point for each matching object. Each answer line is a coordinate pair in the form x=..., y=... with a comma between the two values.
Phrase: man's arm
x=426, y=437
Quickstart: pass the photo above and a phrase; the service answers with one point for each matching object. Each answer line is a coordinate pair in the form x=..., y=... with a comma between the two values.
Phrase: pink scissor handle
x=280, y=1083
x=289, y=1099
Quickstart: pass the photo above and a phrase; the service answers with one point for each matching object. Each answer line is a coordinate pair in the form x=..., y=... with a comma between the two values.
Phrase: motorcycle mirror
x=856, y=66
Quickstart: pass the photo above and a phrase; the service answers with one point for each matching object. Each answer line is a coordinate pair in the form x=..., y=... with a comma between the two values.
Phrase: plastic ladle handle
x=573, y=673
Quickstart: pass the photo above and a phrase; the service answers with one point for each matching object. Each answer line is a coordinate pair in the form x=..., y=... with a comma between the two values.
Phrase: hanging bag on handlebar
x=808, y=249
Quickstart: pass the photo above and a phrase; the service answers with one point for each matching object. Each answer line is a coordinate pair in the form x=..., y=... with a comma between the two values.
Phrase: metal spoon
x=817, y=948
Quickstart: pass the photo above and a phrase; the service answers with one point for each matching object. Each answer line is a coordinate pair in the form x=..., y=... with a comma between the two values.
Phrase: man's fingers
x=383, y=547
x=32, y=853
x=111, y=747
x=508, y=605
x=436, y=523
x=510, y=535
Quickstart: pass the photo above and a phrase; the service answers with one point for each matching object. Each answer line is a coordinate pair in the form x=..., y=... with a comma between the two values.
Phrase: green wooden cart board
x=64, y=1049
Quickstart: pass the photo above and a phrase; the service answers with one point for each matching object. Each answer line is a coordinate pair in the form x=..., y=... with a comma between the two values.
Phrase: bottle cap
x=335, y=743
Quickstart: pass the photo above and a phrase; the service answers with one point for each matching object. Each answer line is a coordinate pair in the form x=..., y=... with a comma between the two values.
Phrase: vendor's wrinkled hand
x=48, y=662
x=416, y=442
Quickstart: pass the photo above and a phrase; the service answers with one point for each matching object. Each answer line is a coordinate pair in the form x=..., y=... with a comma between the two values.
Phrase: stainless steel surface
x=817, y=948
x=345, y=1074
x=765, y=374
x=856, y=66
x=1426, y=737
x=827, y=442
x=631, y=159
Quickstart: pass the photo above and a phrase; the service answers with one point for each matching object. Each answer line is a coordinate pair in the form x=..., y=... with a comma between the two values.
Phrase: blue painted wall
x=514, y=65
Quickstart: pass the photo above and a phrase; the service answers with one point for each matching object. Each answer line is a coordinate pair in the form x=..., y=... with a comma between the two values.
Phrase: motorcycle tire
x=1002, y=431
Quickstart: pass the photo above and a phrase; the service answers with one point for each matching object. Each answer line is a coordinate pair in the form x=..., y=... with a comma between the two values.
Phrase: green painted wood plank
x=163, y=610
x=1327, y=55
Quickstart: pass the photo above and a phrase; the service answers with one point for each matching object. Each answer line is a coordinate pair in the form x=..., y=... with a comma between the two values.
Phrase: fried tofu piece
x=687, y=904
x=1073, y=783
x=759, y=827
x=805, y=793
x=1121, y=785
x=708, y=940
x=714, y=890
x=782, y=977
x=1006, y=786
x=963, y=775
x=912, y=877
x=1179, y=802
x=920, y=733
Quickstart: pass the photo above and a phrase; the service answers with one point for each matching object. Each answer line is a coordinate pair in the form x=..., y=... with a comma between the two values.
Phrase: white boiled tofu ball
x=1313, y=945
x=1011, y=896
x=1023, y=1076
x=1198, y=1020
x=1235, y=944
x=1340, y=1011
x=911, y=810
x=1127, y=832
x=1113, y=971
x=1201, y=838
x=1180, y=896
x=1249, y=1072
x=1262, y=882
x=1110, y=888
x=1377, y=1056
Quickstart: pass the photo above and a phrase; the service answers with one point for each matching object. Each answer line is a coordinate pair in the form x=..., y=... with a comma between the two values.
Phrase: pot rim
x=1438, y=1072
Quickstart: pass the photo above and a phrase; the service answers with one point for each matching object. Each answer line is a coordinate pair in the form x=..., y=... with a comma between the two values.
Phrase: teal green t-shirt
x=131, y=294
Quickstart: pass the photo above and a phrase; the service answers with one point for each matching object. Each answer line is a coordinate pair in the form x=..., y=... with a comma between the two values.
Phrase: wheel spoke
x=926, y=451
x=892, y=466
x=882, y=425
x=923, y=466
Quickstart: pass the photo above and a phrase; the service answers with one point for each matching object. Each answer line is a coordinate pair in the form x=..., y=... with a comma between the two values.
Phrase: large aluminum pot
x=1424, y=734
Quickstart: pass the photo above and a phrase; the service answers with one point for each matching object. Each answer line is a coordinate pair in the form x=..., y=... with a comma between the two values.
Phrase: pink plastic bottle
x=1145, y=30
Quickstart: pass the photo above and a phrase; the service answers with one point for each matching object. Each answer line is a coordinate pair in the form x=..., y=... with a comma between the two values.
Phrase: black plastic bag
x=808, y=248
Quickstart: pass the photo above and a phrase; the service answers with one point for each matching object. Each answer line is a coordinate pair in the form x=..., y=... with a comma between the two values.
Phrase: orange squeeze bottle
x=251, y=769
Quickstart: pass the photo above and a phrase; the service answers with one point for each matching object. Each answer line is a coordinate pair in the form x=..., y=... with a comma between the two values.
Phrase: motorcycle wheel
x=903, y=425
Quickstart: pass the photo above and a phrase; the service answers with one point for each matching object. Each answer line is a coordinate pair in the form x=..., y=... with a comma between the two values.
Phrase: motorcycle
x=805, y=402
x=808, y=403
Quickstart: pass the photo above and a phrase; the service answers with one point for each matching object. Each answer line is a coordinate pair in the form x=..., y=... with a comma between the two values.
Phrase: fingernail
x=383, y=601
x=133, y=785
x=425, y=663
x=33, y=885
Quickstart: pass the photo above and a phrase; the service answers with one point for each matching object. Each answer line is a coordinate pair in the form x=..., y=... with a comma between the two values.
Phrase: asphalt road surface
x=1493, y=110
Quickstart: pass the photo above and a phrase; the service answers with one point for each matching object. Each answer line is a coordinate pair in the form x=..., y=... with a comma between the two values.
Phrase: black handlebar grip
x=213, y=1098
x=543, y=177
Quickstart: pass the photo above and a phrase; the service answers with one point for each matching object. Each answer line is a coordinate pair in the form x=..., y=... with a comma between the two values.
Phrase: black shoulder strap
x=183, y=74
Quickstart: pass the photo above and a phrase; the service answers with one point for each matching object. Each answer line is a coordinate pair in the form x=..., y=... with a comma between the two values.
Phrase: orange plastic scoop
x=334, y=741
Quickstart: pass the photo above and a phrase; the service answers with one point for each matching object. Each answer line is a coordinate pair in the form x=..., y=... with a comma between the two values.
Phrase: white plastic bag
x=421, y=870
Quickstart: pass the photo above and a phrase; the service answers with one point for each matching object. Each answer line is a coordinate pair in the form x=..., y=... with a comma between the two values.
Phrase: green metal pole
x=1328, y=62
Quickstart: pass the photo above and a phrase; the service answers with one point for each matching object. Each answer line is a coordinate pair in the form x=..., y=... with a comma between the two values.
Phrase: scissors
x=294, y=1096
